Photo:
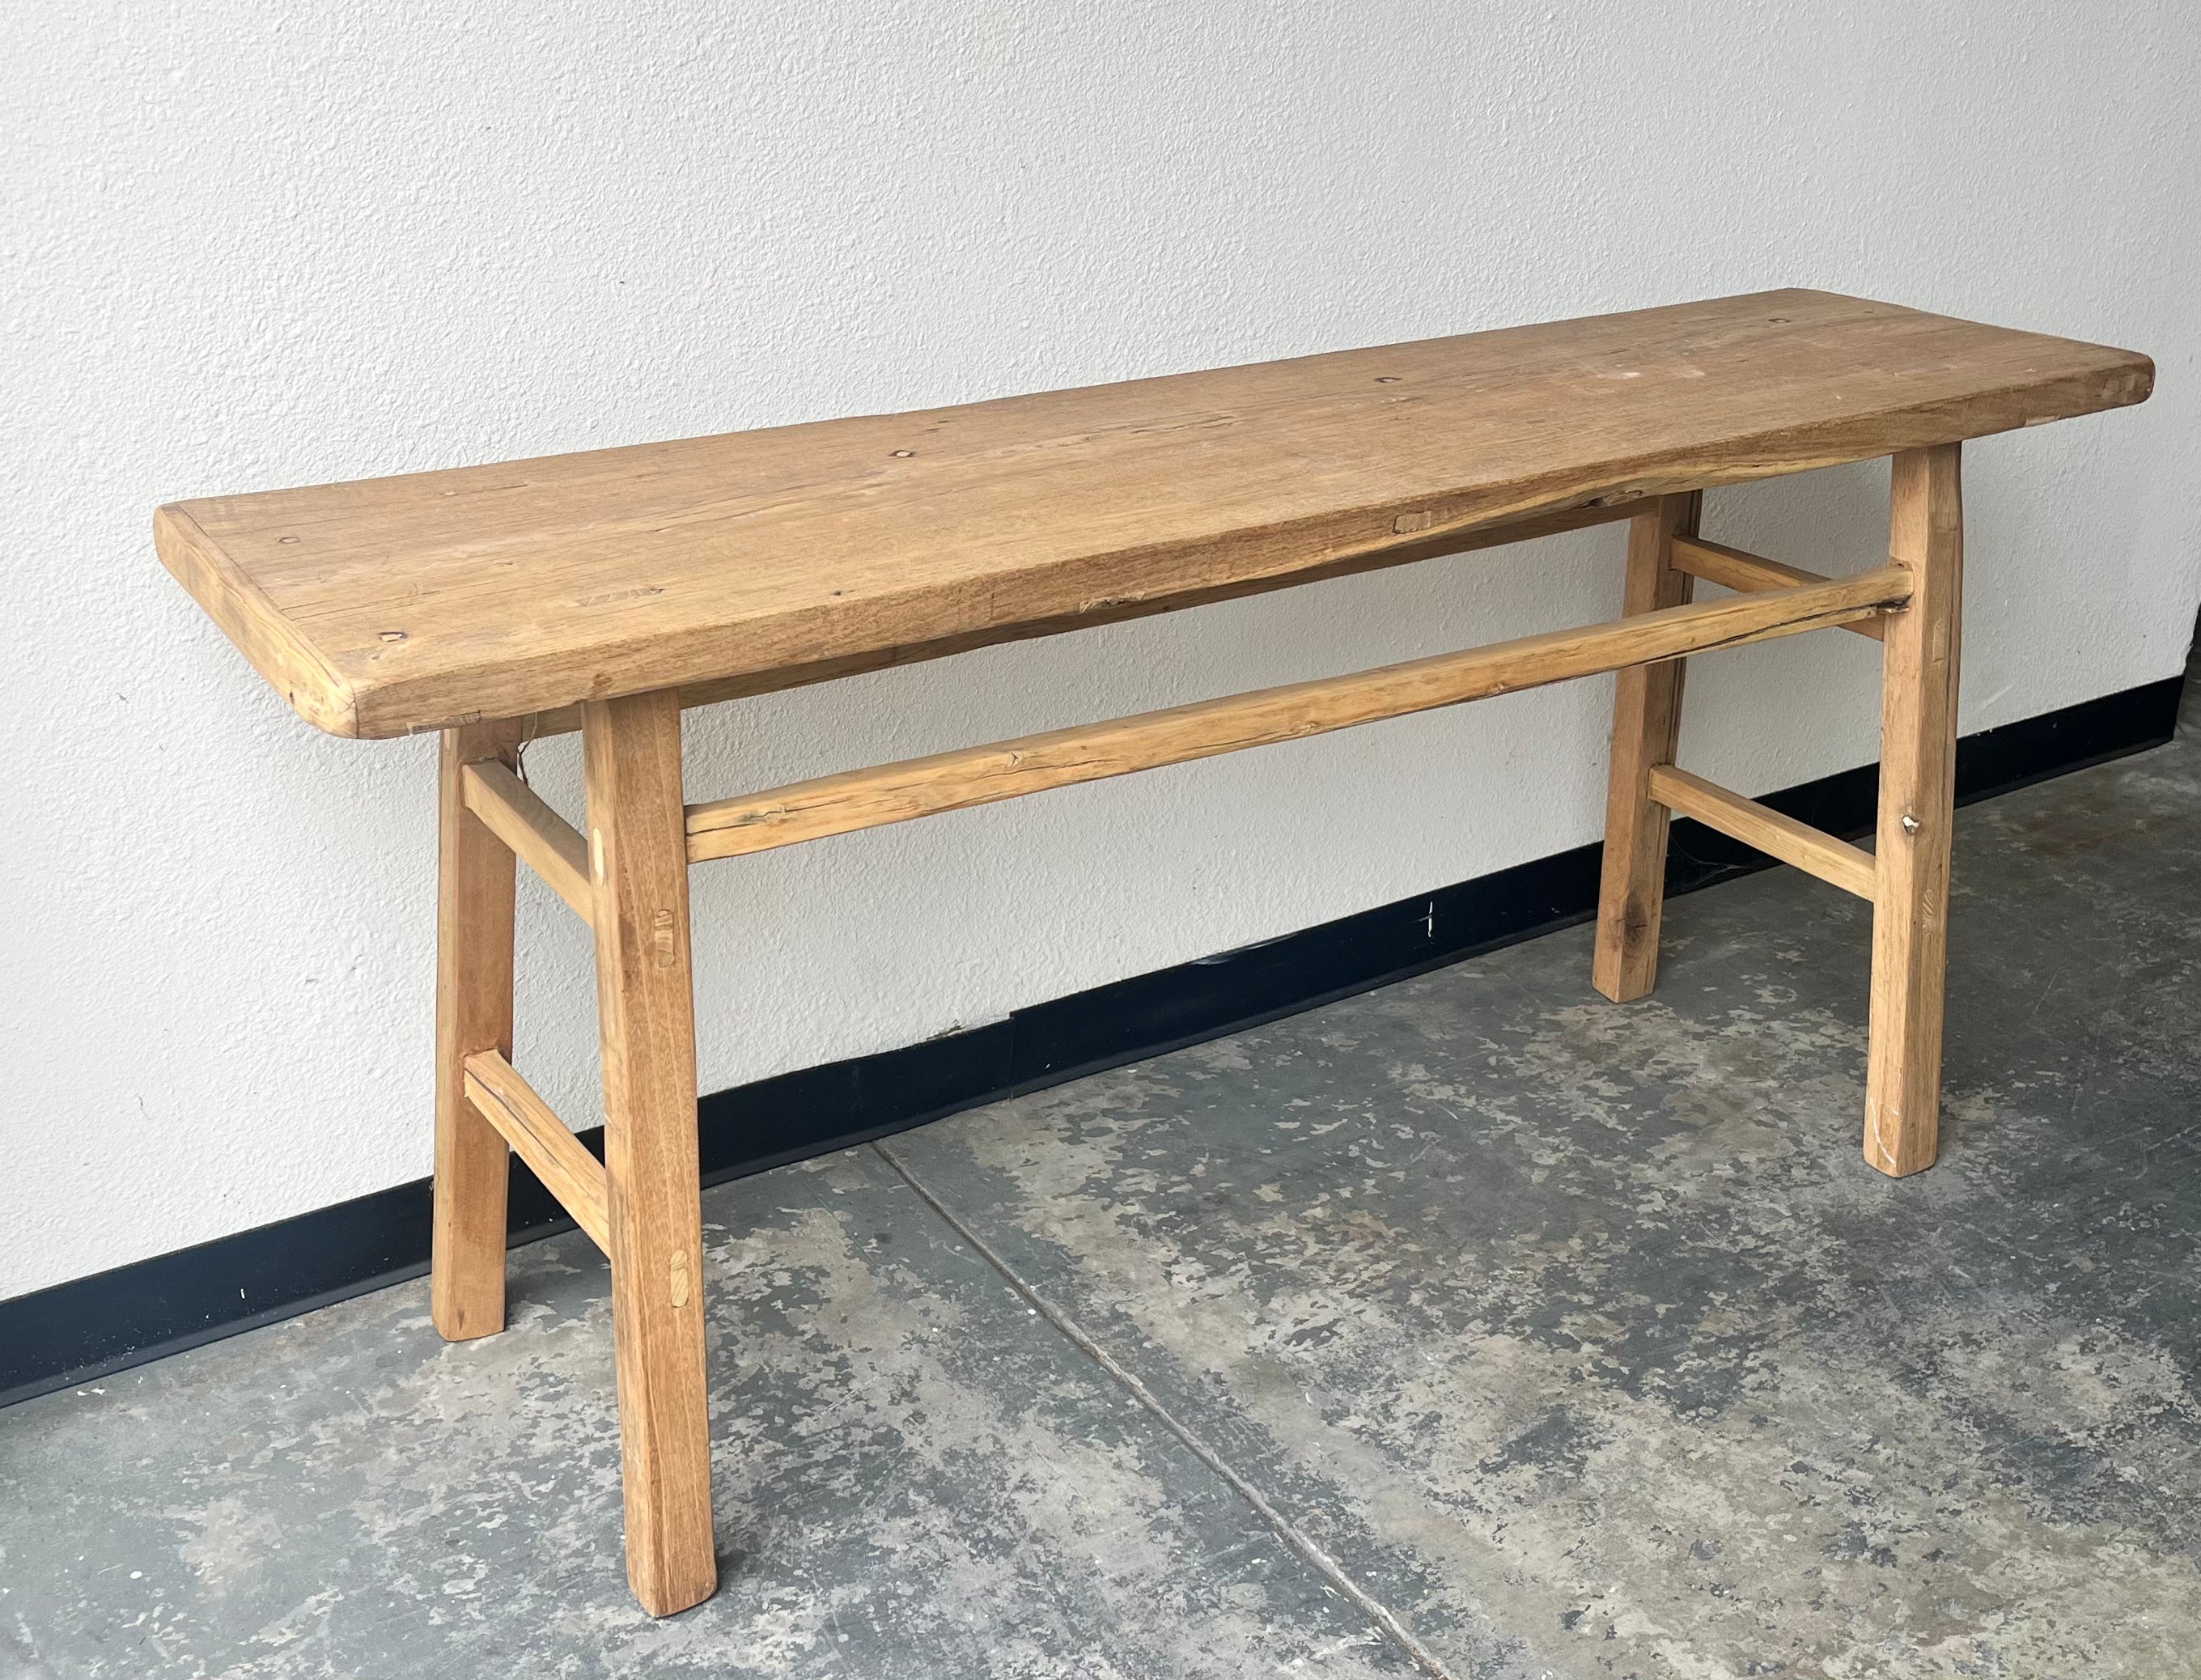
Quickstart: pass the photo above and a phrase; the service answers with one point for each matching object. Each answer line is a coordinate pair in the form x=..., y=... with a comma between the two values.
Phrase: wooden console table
x=604, y=591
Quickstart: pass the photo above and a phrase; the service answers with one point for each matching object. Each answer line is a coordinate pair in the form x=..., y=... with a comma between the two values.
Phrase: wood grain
x=1647, y=722
x=764, y=557
x=1741, y=570
x=1917, y=816
x=970, y=776
x=540, y=1138
x=646, y=1006
x=563, y=719
x=518, y=816
x=1773, y=833
x=473, y=1013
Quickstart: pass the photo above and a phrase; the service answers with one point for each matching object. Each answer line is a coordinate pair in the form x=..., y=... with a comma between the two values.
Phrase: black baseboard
x=80, y=1330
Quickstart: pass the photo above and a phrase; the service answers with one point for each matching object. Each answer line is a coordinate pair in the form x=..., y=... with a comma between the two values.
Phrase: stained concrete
x=1475, y=1326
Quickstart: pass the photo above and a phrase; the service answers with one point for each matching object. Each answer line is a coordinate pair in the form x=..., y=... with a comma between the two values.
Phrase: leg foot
x=473, y=1012
x=1646, y=721
x=1917, y=809
x=638, y=863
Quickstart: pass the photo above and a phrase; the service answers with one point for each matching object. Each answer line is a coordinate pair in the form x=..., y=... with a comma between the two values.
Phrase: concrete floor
x=1475, y=1326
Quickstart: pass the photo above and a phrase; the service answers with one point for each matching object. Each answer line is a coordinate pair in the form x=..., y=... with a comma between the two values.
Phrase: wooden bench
x=604, y=591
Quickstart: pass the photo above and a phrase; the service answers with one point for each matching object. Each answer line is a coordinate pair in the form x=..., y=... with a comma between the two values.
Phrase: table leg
x=1917, y=808
x=473, y=1012
x=1646, y=721
x=639, y=866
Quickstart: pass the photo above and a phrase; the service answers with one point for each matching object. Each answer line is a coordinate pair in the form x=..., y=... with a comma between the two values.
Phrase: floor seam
x=1324, y=1565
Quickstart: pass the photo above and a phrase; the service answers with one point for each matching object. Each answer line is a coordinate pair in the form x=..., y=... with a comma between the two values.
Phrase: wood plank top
x=757, y=559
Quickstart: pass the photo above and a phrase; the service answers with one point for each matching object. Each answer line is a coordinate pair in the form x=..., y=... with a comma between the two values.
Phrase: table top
x=757, y=559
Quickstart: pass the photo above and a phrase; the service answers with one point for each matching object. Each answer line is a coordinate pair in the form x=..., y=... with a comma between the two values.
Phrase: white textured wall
x=250, y=246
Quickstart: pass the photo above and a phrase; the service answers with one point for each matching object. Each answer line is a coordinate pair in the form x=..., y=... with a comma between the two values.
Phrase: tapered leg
x=473, y=1012
x=1647, y=720
x=1917, y=808
x=638, y=863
